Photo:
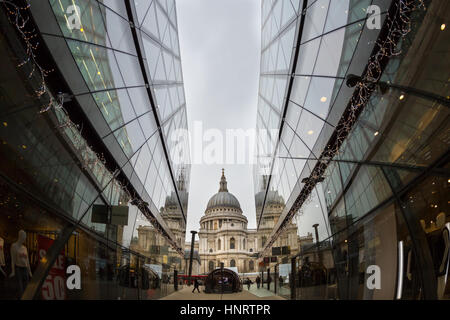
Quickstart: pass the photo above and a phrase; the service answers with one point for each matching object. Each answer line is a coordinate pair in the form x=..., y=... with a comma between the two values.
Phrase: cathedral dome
x=172, y=200
x=223, y=198
x=273, y=198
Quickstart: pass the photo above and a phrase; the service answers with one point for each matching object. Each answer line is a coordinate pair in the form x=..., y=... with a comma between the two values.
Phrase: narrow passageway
x=253, y=294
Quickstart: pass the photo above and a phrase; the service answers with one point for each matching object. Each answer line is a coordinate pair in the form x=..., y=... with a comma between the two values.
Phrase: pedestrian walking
x=196, y=285
x=258, y=281
x=249, y=282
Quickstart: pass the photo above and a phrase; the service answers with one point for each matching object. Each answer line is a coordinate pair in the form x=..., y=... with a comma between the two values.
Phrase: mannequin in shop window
x=20, y=264
x=2, y=256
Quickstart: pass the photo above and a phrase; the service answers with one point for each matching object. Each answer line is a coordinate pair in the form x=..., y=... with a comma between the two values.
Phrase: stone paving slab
x=186, y=294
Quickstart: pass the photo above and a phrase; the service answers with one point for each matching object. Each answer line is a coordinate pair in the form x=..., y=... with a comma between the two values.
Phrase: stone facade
x=152, y=244
x=224, y=236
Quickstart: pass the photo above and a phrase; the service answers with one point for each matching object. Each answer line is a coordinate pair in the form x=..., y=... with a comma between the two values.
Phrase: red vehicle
x=185, y=278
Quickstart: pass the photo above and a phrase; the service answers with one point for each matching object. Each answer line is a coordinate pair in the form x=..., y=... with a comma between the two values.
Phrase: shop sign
x=116, y=215
x=154, y=249
x=53, y=287
x=286, y=250
x=174, y=260
x=119, y=215
x=276, y=251
x=99, y=214
x=164, y=250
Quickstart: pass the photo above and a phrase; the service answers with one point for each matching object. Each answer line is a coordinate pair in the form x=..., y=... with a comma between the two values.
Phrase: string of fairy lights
x=89, y=159
x=398, y=25
x=15, y=16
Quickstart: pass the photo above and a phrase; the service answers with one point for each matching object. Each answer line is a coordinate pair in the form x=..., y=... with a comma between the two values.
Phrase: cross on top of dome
x=223, y=182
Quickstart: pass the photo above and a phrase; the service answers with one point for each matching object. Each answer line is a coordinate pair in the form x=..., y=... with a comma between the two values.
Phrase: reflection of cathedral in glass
x=224, y=236
x=363, y=167
x=151, y=243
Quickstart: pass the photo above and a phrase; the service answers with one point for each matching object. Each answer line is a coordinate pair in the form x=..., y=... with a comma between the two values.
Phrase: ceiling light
x=376, y=133
x=310, y=132
x=443, y=26
x=402, y=97
x=323, y=99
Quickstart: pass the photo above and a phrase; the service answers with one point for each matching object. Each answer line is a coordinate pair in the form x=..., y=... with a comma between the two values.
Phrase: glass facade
x=352, y=150
x=109, y=144
x=381, y=205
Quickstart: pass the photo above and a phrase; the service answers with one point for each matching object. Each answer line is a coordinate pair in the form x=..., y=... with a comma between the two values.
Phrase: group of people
x=247, y=281
x=258, y=281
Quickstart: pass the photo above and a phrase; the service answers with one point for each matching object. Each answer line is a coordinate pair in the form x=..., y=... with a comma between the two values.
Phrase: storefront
x=50, y=179
x=385, y=195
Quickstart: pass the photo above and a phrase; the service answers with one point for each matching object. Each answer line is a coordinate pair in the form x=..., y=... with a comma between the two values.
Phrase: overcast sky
x=220, y=52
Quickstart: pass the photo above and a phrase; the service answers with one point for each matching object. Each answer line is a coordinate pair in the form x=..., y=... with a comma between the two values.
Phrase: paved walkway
x=253, y=294
x=263, y=292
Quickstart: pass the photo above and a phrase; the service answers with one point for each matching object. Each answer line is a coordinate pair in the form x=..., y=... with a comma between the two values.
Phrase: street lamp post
x=191, y=255
x=315, y=226
x=319, y=254
x=221, y=271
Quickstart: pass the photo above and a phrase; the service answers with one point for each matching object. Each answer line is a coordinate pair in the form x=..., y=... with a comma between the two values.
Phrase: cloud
x=220, y=52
